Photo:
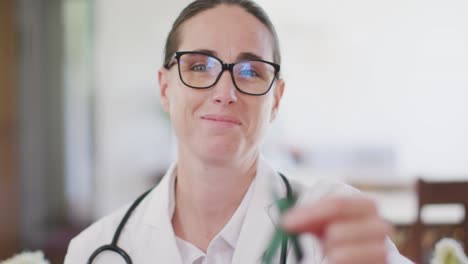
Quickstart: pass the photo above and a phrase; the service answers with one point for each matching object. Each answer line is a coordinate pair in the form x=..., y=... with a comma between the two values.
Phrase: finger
x=358, y=231
x=314, y=217
x=368, y=253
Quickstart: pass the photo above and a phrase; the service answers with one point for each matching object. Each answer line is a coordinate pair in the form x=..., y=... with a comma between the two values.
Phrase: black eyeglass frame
x=224, y=67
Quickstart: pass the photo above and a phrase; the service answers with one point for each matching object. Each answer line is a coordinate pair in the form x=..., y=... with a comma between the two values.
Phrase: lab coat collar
x=156, y=213
x=157, y=220
x=260, y=218
x=258, y=224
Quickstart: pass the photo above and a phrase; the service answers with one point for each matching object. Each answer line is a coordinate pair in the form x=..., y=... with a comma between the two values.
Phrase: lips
x=222, y=119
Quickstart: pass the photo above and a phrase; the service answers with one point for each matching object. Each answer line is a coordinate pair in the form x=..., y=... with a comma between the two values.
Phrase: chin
x=220, y=152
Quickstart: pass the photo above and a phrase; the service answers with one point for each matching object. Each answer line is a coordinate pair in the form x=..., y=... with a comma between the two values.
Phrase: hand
x=350, y=229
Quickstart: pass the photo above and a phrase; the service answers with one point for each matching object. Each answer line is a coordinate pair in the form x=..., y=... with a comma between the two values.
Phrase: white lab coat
x=148, y=236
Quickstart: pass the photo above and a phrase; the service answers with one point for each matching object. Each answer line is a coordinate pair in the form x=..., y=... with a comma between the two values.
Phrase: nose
x=224, y=91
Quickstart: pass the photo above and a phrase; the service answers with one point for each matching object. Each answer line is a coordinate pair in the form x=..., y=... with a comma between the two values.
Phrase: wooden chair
x=439, y=192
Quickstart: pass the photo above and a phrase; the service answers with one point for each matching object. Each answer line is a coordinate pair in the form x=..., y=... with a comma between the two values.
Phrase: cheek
x=175, y=104
x=184, y=103
x=261, y=114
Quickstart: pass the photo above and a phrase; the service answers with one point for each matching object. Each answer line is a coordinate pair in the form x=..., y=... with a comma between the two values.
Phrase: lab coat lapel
x=161, y=245
x=258, y=224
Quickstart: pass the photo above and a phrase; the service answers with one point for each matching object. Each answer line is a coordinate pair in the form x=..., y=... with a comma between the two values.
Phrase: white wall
x=364, y=72
x=132, y=138
x=388, y=72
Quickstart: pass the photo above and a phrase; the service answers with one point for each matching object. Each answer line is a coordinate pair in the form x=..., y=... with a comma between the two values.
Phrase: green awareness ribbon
x=280, y=236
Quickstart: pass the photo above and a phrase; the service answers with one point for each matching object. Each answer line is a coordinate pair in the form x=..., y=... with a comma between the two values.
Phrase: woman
x=221, y=87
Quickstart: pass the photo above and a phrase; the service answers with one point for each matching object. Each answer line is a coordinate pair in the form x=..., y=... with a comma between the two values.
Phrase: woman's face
x=220, y=124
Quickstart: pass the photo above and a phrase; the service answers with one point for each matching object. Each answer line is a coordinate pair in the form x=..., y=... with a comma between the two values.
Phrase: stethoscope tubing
x=112, y=248
x=115, y=239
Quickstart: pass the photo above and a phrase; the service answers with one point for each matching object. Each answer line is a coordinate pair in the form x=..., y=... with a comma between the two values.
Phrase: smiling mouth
x=222, y=119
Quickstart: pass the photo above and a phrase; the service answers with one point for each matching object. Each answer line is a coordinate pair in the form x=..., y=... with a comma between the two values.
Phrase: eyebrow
x=207, y=51
x=241, y=56
x=248, y=56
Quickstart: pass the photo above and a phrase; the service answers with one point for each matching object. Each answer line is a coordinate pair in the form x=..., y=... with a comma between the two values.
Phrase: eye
x=249, y=70
x=248, y=73
x=199, y=68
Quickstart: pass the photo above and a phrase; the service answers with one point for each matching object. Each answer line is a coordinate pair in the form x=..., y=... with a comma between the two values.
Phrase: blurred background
x=376, y=96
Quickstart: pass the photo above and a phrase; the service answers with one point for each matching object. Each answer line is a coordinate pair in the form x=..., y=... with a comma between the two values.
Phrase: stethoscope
x=113, y=247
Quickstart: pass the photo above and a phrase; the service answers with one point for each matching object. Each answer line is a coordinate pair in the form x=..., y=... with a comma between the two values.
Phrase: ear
x=278, y=94
x=163, y=87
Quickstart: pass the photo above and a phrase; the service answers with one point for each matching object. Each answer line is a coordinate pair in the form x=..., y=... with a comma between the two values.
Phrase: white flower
x=448, y=251
x=36, y=257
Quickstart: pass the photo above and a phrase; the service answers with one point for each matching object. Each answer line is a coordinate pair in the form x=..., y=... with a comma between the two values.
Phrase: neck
x=207, y=195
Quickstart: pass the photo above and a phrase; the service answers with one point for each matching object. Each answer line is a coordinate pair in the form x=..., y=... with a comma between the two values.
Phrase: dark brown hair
x=198, y=6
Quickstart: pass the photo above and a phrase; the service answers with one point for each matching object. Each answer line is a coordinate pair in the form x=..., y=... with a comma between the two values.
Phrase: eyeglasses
x=201, y=70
